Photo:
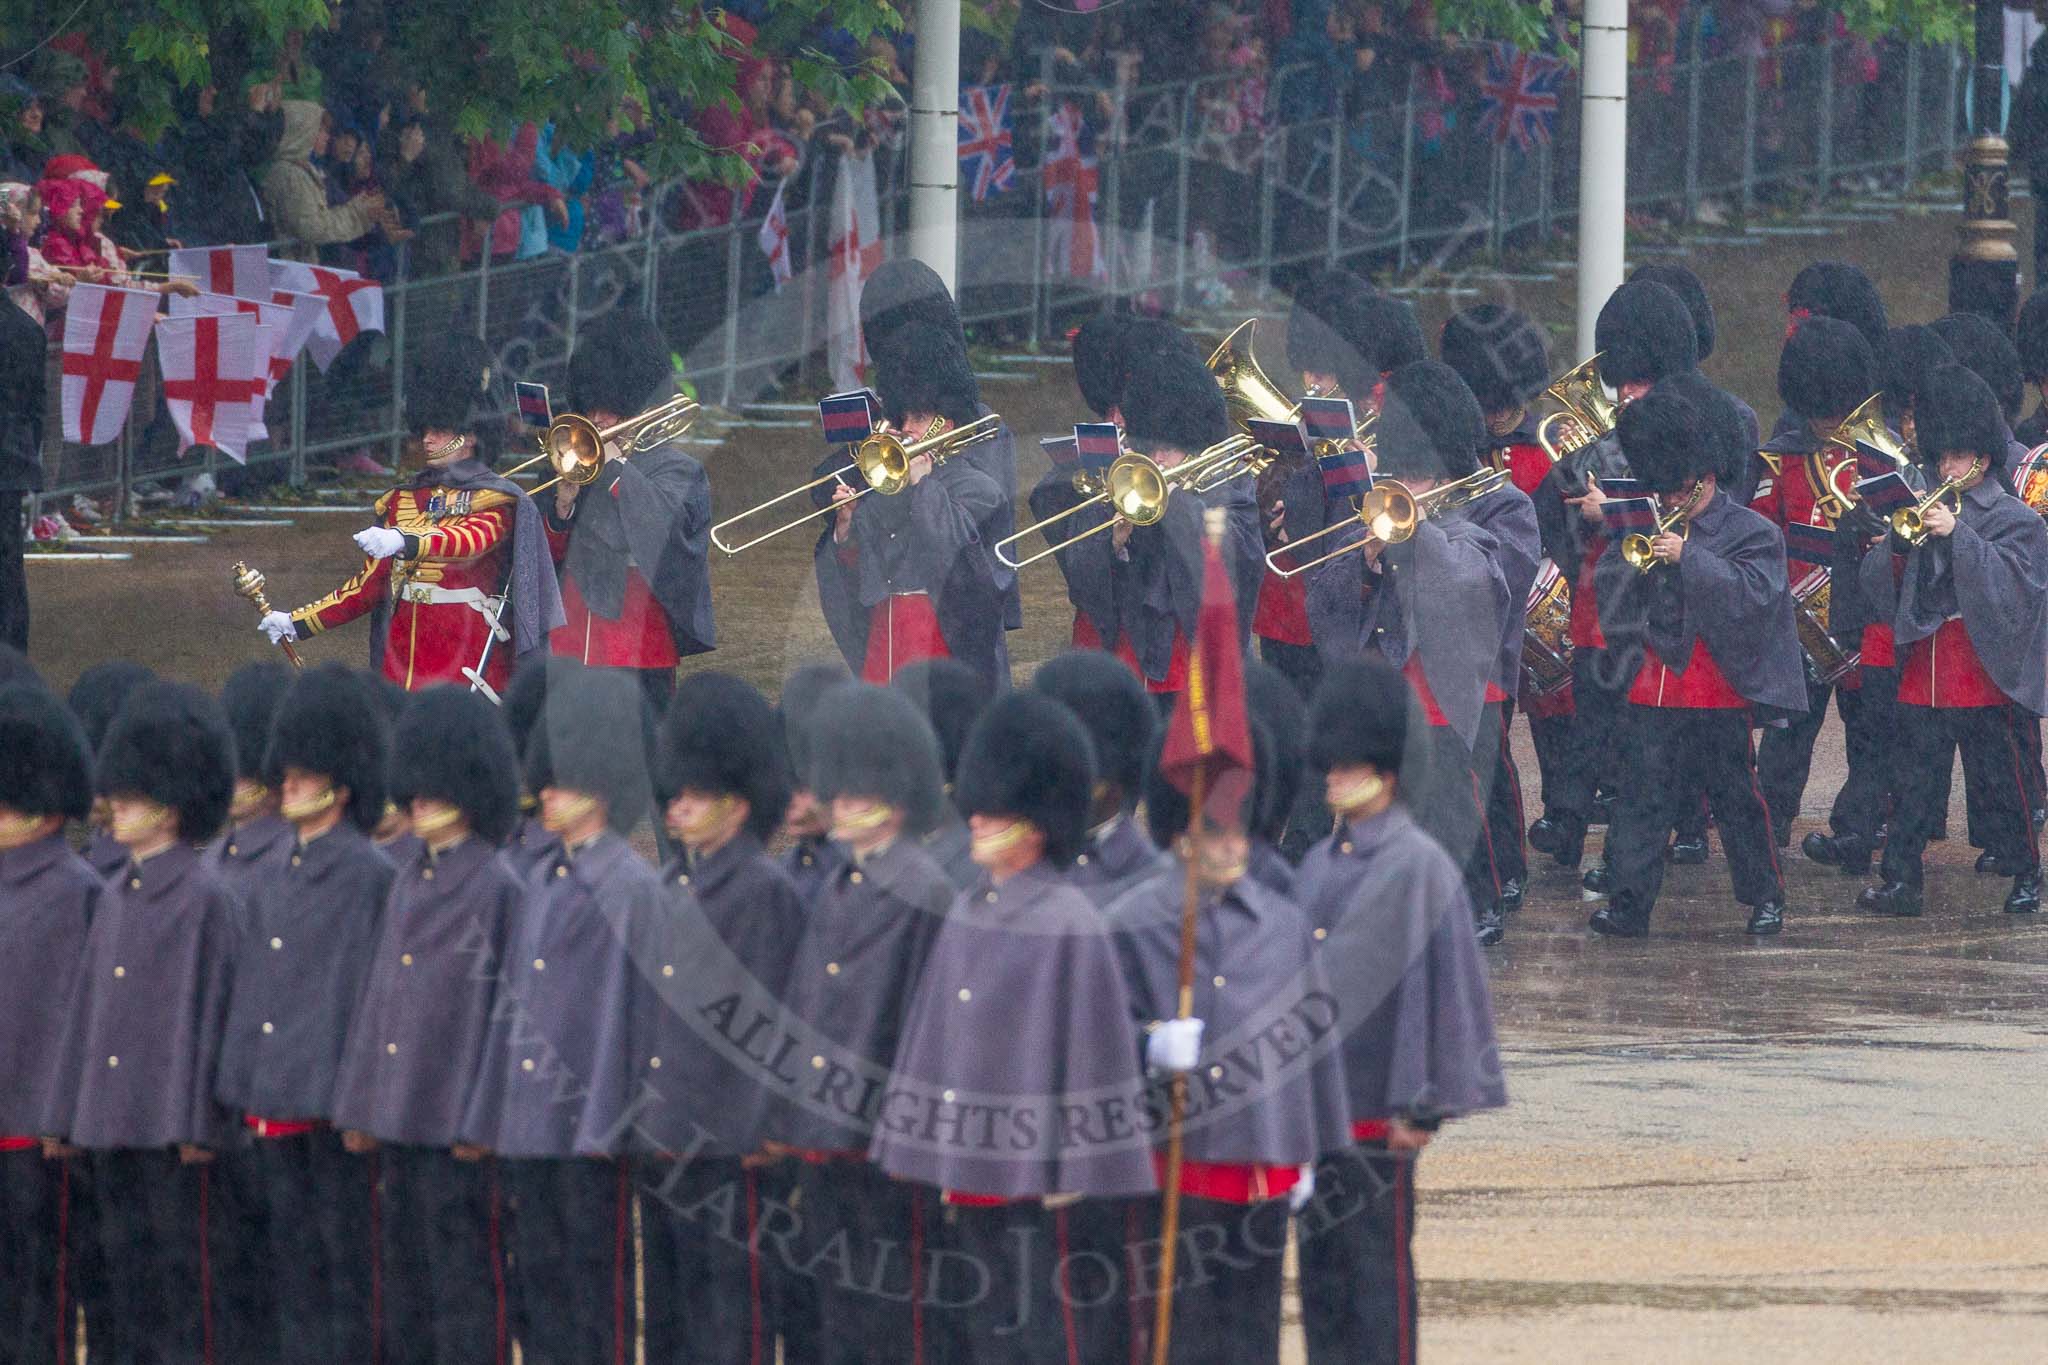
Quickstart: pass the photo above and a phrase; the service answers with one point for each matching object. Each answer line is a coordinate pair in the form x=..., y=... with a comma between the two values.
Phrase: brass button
x=654, y=1063
x=561, y=871
x=817, y=1063
x=965, y=995
x=540, y=964
x=405, y=959
x=667, y=969
x=113, y=1061
x=990, y=898
x=947, y=1096
x=831, y=969
x=276, y=944
x=1344, y=847
x=296, y=860
x=526, y=1065
x=120, y=971
x=391, y=1049
x=1215, y=1073
x=854, y=877
x=1081, y=860
x=1219, y=982
x=682, y=879
x=1322, y=934
x=269, y=1027
x=233, y=851
x=135, y=883
x=426, y=874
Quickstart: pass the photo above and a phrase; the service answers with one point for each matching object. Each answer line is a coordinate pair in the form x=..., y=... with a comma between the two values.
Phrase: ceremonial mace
x=249, y=584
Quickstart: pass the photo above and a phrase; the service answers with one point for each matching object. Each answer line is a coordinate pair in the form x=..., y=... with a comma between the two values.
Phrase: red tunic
x=1231, y=1182
x=1700, y=688
x=640, y=638
x=1085, y=636
x=1789, y=498
x=1943, y=670
x=1526, y=464
x=1585, y=627
x=1412, y=671
x=1282, y=613
x=902, y=630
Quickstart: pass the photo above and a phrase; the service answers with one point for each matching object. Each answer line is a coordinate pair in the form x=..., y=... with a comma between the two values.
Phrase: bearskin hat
x=873, y=742
x=1643, y=334
x=170, y=744
x=1029, y=757
x=1277, y=707
x=1958, y=412
x=1327, y=331
x=2033, y=337
x=621, y=365
x=250, y=700
x=1360, y=716
x=922, y=368
x=330, y=723
x=951, y=695
x=1916, y=351
x=1430, y=425
x=1393, y=335
x=801, y=693
x=1114, y=708
x=45, y=768
x=1502, y=356
x=1692, y=294
x=1172, y=400
x=1663, y=439
x=1726, y=436
x=1981, y=348
x=15, y=668
x=903, y=291
x=720, y=738
x=594, y=737
x=1098, y=352
x=453, y=746
x=1836, y=289
x=1826, y=369
x=100, y=692
x=447, y=385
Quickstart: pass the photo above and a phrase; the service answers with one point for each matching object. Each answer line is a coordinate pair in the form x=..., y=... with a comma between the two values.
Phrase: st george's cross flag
x=106, y=331
x=774, y=239
x=241, y=271
x=1071, y=176
x=213, y=373
x=354, y=305
x=853, y=251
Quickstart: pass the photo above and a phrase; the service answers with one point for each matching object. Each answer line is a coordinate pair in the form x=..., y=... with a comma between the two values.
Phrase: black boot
x=1687, y=851
x=1603, y=807
x=1491, y=926
x=1625, y=918
x=1767, y=918
x=1548, y=835
x=2025, y=896
x=1899, y=899
x=1511, y=892
x=1844, y=851
x=1598, y=879
x=1988, y=865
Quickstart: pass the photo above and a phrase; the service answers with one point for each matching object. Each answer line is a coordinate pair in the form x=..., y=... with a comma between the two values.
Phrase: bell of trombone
x=1388, y=511
x=1246, y=389
x=1136, y=489
x=574, y=445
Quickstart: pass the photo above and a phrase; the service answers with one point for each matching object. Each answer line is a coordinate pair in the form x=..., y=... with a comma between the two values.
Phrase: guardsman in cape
x=806, y=824
x=1387, y=910
x=418, y=1035
x=455, y=571
x=1013, y=1096
x=142, y=1040
x=952, y=697
x=95, y=699
x=631, y=546
x=868, y=931
x=257, y=839
x=302, y=950
x=1288, y=816
x=1834, y=289
x=48, y=898
x=1705, y=617
x=1693, y=294
x=1969, y=610
x=553, y=1099
x=1120, y=720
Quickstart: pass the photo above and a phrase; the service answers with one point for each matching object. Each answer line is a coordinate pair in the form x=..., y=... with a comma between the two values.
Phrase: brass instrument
x=1547, y=634
x=249, y=584
x=1136, y=489
x=574, y=445
x=1635, y=546
x=1910, y=523
x=1585, y=412
x=1834, y=465
x=1390, y=513
x=883, y=463
x=1811, y=597
x=1245, y=387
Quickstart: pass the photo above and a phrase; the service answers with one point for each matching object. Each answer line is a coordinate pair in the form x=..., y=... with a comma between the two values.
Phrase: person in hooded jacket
x=295, y=194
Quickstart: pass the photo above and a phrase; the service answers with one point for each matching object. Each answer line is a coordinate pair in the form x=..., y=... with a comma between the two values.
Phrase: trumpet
x=883, y=463
x=1136, y=489
x=1910, y=523
x=574, y=445
x=1635, y=546
x=1391, y=512
x=1585, y=412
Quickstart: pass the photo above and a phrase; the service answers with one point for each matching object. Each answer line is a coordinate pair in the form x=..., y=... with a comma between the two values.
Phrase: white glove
x=1304, y=1188
x=380, y=542
x=278, y=627
x=1176, y=1045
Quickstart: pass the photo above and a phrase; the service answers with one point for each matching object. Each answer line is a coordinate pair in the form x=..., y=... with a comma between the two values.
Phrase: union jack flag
x=985, y=139
x=1518, y=98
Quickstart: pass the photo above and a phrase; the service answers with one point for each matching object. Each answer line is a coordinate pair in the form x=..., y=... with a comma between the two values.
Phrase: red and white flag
x=354, y=305
x=105, y=333
x=284, y=325
x=855, y=250
x=268, y=338
x=1071, y=175
x=212, y=374
x=242, y=271
x=307, y=311
x=774, y=239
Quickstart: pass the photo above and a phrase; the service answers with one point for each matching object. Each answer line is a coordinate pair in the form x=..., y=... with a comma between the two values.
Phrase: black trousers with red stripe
x=319, y=1260
x=866, y=1241
x=161, y=1232
x=1226, y=1281
x=1784, y=757
x=1448, y=803
x=1500, y=778
x=1551, y=737
x=1598, y=694
x=1869, y=714
x=1356, y=1262
x=710, y=1235
x=572, y=1259
x=36, y=1312
x=1659, y=742
x=1021, y=1284
x=443, y=1276
x=1994, y=784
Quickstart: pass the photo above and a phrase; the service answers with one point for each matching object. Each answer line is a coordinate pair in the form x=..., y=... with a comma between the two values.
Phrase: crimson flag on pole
x=1210, y=732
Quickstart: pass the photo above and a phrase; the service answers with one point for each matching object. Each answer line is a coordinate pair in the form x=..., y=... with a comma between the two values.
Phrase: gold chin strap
x=1358, y=795
x=696, y=831
x=17, y=830
x=864, y=821
x=319, y=804
x=1003, y=840
x=136, y=826
x=443, y=454
x=558, y=817
x=248, y=802
x=440, y=817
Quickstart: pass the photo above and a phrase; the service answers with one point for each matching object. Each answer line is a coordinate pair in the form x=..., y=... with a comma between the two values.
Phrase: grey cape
x=1729, y=591
x=651, y=512
x=1395, y=928
x=248, y=856
x=419, y=1031
x=48, y=896
x=1510, y=518
x=1993, y=572
x=1119, y=856
x=1015, y=1077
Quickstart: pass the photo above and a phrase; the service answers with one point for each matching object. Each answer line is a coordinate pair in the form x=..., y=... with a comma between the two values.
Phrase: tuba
x=574, y=445
x=1584, y=411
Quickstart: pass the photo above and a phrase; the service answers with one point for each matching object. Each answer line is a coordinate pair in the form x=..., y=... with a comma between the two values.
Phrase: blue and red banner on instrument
x=534, y=408
x=849, y=417
x=1329, y=419
x=1096, y=446
x=1060, y=450
x=1620, y=488
x=1345, y=474
x=1871, y=462
x=1630, y=516
x=1809, y=544
x=1282, y=438
x=1885, y=494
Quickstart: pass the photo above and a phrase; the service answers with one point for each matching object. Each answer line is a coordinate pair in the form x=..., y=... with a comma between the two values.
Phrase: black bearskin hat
x=594, y=737
x=1691, y=293
x=801, y=693
x=45, y=768
x=251, y=699
x=1360, y=716
x=1277, y=707
x=1029, y=757
x=330, y=723
x=720, y=738
x=1643, y=334
x=621, y=365
x=1916, y=351
x=1172, y=400
x=1825, y=370
x=1981, y=348
x=873, y=742
x=1393, y=337
x=447, y=385
x=1502, y=356
x=1664, y=441
x=951, y=695
x=100, y=692
x=1327, y=332
x=904, y=291
x=1722, y=430
x=452, y=745
x=1098, y=351
x=1114, y=708
x=1958, y=412
x=1430, y=425
x=2033, y=337
x=922, y=368
x=1836, y=289
x=15, y=668
x=170, y=744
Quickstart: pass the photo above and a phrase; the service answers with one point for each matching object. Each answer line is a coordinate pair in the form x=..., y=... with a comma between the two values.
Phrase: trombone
x=1910, y=523
x=1390, y=512
x=883, y=462
x=1635, y=546
x=1136, y=488
x=574, y=445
